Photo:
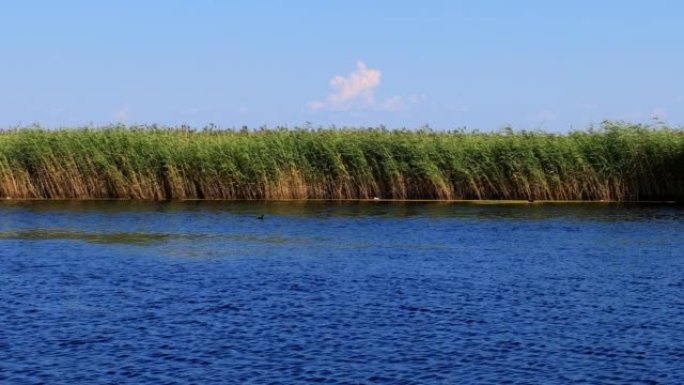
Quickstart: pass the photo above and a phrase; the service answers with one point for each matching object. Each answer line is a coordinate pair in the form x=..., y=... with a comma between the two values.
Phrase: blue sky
x=553, y=65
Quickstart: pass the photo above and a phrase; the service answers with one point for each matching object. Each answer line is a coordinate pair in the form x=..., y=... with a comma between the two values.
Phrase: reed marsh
x=616, y=162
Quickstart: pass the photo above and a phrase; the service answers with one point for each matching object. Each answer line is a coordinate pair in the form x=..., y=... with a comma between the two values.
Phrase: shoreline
x=317, y=200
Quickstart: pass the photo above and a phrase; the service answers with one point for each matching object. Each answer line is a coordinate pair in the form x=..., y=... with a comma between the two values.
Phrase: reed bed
x=616, y=162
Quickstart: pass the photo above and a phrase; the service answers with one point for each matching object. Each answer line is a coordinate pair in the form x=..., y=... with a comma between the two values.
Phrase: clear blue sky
x=483, y=64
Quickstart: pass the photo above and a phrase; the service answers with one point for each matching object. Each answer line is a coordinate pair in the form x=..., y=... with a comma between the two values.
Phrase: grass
x=616, y=162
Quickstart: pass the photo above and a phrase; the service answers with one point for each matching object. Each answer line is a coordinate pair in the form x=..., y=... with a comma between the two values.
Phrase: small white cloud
x=395, y=103
x=399, y=103
x=315, y=105
x=353, y=91
x=358, y=86
x=356, y=91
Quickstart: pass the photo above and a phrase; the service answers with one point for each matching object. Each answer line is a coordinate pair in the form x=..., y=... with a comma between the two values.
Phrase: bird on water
x=261, y=217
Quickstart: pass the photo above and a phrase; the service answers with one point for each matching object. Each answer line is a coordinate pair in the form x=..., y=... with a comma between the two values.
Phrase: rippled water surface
x=359, y=293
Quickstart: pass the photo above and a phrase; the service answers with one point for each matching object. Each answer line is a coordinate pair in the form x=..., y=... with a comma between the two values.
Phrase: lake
x=340, y=293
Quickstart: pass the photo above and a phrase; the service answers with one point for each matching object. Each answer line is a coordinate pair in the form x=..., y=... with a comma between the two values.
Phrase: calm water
x=372, y=293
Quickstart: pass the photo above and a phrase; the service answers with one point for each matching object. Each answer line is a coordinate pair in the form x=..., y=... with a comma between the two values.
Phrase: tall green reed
x=617, y=161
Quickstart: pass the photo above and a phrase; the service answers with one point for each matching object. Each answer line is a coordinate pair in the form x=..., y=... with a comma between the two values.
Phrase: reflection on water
x=137, y=238
x=473, y=209
x=370, y=292
x=116, y=237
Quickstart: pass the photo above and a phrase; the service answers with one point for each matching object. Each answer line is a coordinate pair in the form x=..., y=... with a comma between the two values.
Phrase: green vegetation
x=618, y=162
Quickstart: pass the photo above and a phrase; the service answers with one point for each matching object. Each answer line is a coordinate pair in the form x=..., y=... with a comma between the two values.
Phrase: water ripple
x=210, y=295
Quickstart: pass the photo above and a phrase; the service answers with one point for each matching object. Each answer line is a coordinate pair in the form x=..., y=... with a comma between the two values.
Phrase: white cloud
x=358, y=86
x=395, y=103
x=315, y=105
x=400, y=103
x=354, y=91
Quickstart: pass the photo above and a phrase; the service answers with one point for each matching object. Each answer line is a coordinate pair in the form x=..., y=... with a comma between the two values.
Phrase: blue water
x=365, y=293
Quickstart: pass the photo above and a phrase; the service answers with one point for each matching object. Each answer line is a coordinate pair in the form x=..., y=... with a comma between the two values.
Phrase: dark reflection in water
x=203, y=292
